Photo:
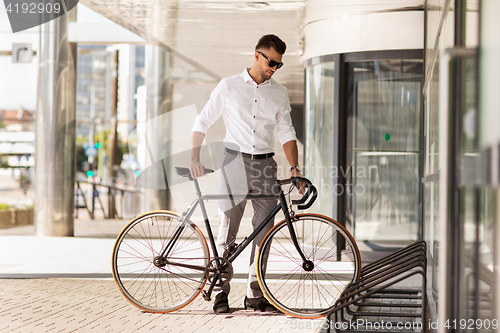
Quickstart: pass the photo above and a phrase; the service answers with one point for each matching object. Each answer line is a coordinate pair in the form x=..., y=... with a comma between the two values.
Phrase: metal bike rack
x=374, y=303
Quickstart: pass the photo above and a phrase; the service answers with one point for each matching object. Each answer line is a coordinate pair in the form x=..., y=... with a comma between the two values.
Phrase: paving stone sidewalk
x=31, y=302
x=95, y=305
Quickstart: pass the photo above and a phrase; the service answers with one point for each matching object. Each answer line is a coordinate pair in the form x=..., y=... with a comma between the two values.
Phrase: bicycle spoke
x=140, y=255
x=140, y=242
x=296, y=270
x=145, y=237
x=317, y=283
x=290, y=256
x=322, y=244
x=327, y=275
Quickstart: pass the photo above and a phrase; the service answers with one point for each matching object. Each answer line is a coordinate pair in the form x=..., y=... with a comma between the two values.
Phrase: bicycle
x=161, y=260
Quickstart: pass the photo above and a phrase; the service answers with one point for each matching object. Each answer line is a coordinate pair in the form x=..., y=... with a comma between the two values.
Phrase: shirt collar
x=248, y=78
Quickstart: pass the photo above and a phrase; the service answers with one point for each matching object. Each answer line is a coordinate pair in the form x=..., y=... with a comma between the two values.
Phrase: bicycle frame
x=282, y=205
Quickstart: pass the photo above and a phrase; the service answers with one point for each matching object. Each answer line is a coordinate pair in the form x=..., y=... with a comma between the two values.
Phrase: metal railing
x=111, y=191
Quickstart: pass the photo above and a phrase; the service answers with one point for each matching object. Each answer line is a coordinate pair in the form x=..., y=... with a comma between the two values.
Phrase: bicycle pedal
x=206, y=296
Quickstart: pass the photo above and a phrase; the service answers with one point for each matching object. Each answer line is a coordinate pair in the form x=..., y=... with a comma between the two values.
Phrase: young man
x=253, y=106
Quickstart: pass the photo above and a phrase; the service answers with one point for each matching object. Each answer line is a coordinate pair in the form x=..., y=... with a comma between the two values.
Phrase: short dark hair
x=268, y=41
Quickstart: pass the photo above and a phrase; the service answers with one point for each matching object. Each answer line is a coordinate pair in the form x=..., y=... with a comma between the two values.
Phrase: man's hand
x=302, y=185
x=197, y=169
x=292, y=155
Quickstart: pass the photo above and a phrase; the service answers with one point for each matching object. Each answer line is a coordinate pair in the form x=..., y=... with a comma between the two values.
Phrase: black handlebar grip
x=310, y=189
x=314, y=196
x=304, y=197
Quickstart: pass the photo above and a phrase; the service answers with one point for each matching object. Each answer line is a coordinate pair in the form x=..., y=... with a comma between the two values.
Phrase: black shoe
x=221, y=305
x=259, y=303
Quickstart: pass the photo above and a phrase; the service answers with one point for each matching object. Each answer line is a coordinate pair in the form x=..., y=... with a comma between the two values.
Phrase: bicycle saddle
x=184, y=172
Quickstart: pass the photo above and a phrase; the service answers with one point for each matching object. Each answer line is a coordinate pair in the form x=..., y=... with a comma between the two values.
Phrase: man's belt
x=250, y=156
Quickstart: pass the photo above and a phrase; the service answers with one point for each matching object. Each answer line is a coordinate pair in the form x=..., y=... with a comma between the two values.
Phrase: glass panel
x=431, y=219
x=319, y=133
x=471, y=23
x=384, y=149
x=488, y=136
x=477, y=271
x=431, y=126
x=93, y=98
x=487, y=242
x=431, y=167
x=466, y=296
x=468, y=137
x=434, y=13
x=386, y=191
x=440, y=35
x=489, y=117
x=477, y=218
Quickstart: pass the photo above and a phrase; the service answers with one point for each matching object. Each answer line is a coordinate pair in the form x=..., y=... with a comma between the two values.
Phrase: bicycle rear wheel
x=159, y=289
x=288, y=285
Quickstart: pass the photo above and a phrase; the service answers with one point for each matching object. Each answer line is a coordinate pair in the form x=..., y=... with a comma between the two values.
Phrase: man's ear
x=256, y=56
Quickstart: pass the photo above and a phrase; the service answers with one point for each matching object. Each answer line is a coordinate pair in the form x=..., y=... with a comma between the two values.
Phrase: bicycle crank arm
x=207, y=295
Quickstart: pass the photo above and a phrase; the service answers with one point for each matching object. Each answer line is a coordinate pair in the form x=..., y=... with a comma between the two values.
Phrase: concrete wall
x=16, y=217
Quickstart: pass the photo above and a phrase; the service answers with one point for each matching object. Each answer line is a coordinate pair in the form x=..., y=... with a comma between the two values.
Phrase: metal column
x=159, y=85
x=55, y=132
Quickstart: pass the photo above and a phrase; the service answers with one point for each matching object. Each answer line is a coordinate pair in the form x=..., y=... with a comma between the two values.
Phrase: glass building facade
x=460, y=174
x=93, y=98
x=408, y=142
x=320, y=80
x=363, y=139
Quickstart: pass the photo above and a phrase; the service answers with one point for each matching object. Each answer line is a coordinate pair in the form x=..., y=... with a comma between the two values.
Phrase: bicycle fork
x=307, y=265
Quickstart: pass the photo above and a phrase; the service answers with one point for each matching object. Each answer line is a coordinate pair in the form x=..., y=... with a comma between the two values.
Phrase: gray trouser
x=243, y=176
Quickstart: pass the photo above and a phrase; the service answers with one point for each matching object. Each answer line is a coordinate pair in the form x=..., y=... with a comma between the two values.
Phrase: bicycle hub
x=159, y=261
x=308, y=265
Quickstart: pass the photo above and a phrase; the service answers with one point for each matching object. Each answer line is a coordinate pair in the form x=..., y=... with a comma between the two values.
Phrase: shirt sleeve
x=211, y=111
x=284, y=127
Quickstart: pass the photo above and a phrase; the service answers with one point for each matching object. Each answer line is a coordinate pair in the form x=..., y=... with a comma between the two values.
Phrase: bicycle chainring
x=225, y=274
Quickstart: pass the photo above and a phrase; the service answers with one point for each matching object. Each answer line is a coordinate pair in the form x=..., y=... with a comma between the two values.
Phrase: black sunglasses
x=272, y=63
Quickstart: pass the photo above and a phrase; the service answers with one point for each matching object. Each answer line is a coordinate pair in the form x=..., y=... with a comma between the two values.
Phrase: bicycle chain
x=191, y=258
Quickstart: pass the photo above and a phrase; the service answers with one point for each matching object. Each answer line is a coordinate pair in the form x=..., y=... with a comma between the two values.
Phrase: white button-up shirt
x=251, y=113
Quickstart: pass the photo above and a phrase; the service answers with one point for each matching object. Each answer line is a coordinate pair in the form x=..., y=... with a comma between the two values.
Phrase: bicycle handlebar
x=310, y=189
x=293, y=180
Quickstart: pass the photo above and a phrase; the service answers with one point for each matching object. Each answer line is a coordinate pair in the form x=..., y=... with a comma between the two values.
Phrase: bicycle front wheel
x=307, y=291
x=167, y=287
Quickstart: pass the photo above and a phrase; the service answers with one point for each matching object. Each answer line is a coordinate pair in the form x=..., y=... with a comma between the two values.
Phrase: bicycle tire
x=285, y=282
x=159, y=289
